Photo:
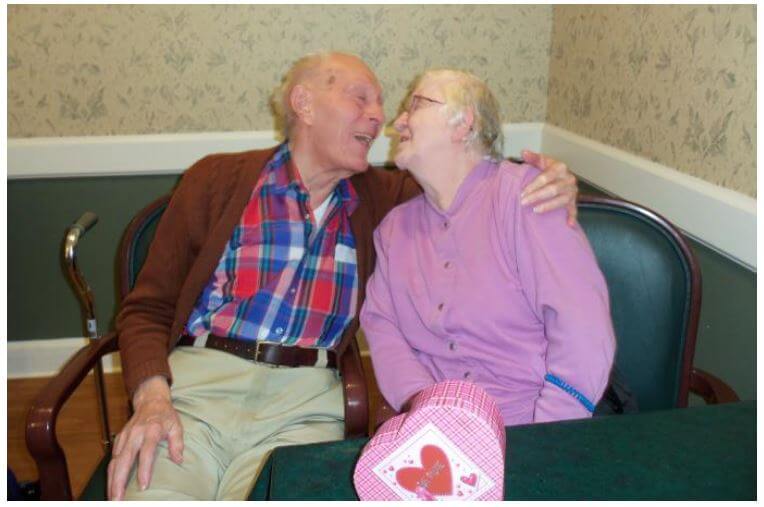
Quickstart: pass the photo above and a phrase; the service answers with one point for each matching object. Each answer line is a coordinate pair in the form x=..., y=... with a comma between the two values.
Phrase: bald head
x=319, y=70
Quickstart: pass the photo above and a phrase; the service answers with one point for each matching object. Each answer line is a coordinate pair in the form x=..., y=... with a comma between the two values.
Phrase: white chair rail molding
x=723, y=219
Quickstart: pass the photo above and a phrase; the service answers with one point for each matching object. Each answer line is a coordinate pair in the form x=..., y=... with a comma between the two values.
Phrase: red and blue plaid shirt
x=281, y=278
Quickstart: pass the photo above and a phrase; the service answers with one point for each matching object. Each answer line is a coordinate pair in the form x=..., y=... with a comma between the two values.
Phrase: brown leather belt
x=263, y=352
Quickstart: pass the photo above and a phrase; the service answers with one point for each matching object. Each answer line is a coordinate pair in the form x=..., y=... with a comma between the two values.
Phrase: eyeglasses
x=416, y=101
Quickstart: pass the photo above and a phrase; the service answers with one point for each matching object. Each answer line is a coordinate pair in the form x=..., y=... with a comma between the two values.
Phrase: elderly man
x=273, y=246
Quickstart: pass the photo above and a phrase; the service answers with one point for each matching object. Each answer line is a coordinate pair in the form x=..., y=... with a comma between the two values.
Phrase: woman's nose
x=401, y=121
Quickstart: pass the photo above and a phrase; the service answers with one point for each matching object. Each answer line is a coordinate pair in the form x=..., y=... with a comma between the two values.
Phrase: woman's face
x=423, y=127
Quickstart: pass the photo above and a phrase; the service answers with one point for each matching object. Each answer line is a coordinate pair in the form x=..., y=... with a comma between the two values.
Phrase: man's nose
x=376, y=113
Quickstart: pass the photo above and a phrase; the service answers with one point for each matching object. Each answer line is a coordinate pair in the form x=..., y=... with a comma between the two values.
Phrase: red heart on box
x=470, y=480
x=451, y=423
x=434, y=475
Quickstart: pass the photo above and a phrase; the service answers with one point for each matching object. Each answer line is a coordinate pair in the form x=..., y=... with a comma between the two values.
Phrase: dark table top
x=704, y=452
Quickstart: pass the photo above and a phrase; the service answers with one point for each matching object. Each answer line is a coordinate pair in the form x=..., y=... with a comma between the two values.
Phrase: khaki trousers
x=234, y=412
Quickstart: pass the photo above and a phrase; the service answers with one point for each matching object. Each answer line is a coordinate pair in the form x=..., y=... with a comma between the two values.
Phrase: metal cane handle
x=73, y=234
x=85, y=222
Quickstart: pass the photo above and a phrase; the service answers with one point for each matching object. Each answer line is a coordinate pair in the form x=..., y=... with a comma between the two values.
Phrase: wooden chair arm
x=384, y=412
x=712, y=389
x=41, y=420
x=355, y=394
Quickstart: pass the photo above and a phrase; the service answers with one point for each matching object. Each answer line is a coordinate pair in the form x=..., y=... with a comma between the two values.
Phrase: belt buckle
x=258, y=343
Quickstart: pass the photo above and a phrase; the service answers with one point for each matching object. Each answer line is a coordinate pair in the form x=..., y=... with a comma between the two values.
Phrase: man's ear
x=463, y=126
x=301, y=101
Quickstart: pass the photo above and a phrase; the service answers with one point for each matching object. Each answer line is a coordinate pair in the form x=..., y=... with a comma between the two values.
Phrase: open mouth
x=365, y=139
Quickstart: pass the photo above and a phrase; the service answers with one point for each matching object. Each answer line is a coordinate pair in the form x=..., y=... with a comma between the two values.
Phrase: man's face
x=348, y=115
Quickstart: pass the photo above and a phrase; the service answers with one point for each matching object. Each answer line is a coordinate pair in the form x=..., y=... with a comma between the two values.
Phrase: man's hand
x=554, y=188
x=154, y=420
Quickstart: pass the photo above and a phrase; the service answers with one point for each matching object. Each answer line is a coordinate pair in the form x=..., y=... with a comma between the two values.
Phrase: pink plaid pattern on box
x=449, y=446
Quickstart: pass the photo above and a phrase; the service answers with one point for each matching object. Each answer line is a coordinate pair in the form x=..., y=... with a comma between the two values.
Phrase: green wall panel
x=727, y=332
x=42, y=305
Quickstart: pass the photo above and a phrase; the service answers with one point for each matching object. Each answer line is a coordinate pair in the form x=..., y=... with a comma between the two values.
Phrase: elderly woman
x=471, y=285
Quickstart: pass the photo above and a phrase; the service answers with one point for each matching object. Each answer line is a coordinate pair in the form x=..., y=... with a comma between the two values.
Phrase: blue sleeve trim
x=571, y=391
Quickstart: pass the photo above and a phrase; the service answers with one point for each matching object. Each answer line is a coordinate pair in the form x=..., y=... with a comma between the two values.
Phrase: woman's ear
x=463, y=126
x=301, y=101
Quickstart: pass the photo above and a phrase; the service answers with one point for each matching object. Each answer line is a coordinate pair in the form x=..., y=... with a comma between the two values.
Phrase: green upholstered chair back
x=136, y=241
x=654, y=286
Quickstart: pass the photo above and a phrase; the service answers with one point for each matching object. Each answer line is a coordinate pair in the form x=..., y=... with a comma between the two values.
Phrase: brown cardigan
x=190, y=238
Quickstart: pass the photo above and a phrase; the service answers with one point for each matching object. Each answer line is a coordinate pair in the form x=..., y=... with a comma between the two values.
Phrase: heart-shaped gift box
x=449, y=446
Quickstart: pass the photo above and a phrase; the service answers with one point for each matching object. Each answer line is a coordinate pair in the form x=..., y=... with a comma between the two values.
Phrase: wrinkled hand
x=154, y=420
x=554, y=188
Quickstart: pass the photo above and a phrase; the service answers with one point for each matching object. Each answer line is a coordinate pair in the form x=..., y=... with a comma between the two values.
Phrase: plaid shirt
x=282, y=279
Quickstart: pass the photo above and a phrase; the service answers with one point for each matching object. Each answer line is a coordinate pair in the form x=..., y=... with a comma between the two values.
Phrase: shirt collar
x=283, y=175
x=280, y=169
x=347, y=194
x=475, y=176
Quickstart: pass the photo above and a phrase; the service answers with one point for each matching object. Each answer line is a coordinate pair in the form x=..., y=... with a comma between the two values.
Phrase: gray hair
x=464, y=91
x=304, y=68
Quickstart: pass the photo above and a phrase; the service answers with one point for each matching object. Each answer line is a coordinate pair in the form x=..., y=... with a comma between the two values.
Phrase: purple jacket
x=491, y=292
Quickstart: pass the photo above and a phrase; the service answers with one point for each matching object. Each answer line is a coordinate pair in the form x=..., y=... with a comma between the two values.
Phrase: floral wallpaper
x=140, y=69
x=674, y=84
